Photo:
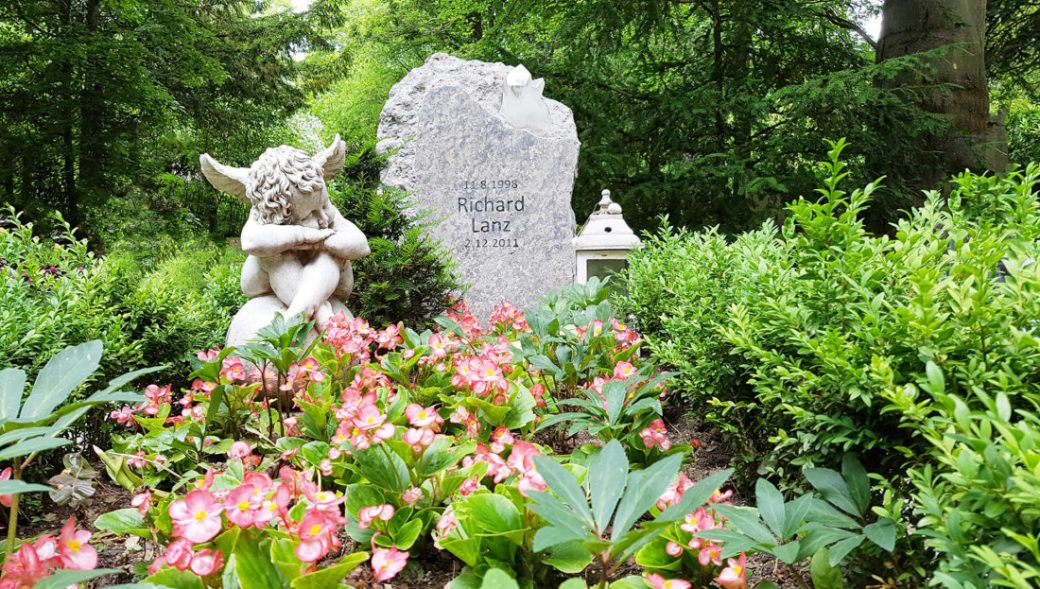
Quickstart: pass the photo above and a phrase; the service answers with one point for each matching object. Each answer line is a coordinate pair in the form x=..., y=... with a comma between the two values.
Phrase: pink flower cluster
x=35, y=561
x=353, y=336
x=519, y=462
x=361, y=422
x=483, y=374
x=425, y=422
x=507, y=317
x=656, y=435
x=258, y=501
x=460, y=313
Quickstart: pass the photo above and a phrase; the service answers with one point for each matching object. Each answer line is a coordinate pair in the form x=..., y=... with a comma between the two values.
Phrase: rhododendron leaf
x=123, y=521
x=857, y=482
x=550, y=536
x=614, y=393
x=746, y=521
x=833, y=488
x=18, y=435
x=174, y=579
x=840, y=550
x=559, y=418
x=607, y=473
x=121, y=381
x=253, y=564
x=796, y=510
x=498, y=579
x=771, y=505
x=62, y=578
x=26, y=447
x=12, y=486
x=565, y=486
x=817, y=536
x=12, y=386
x=882, y=533
x=644, y=488
x=59, y=377
x=330, y=577
x=822, y=512
x=787, y=553
x=569, y=557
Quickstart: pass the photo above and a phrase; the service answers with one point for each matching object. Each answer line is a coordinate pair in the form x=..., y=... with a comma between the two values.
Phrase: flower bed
x=291, y=462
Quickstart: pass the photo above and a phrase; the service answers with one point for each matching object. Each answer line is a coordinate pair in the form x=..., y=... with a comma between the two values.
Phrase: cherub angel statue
x=299, y=245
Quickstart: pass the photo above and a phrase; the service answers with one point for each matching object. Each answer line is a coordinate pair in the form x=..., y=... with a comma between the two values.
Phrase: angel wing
x=225, y=178
x=332, y=158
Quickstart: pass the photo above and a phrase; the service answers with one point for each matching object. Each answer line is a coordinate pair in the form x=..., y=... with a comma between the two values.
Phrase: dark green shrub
x=918, y=352
x=407, y=277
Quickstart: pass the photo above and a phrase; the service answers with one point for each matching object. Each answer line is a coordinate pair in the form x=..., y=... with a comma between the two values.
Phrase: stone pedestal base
x=258, y=313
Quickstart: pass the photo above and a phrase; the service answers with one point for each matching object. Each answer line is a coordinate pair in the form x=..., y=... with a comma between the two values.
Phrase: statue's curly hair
x=272, y=178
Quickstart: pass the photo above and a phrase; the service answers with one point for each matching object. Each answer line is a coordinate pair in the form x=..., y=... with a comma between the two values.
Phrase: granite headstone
x=494, y=162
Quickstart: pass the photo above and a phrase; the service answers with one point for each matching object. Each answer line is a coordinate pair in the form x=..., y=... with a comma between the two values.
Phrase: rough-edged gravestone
x=482, y=151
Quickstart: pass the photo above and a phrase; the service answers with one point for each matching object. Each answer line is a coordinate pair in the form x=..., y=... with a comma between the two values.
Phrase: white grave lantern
x=602, y=246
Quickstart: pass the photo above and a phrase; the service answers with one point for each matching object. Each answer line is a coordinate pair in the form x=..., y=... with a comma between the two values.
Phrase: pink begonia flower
x=196, y=517
x=623, y=370
x=412, y=496
x=317, y=536
x=387, y=562
x=208, y=355
x=75, y=552
x=242, y=506
x=469, y=486
x=122, y=416
x=720, y=496
x=710, y=553
x=5, y=475
x=658, y=582
x=501, y=438
x=367, y=514
x=24, y=568
x=656, y=434
x=697, y=521
x=142, y=501
x=206, y=562
x=419, y=416
x=418, y=438
x=673, y=494
x=445, y=525
x=240, y=449
x=734, y=576
x=674, y=550
x=531, y=481
x=179, y=553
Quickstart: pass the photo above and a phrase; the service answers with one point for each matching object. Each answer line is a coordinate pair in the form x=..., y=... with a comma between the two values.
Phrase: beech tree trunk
x=957, y=29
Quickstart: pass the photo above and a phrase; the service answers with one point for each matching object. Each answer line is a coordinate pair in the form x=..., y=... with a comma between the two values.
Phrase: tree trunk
x=959, y=91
